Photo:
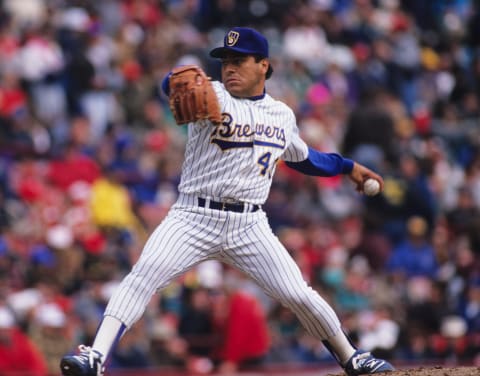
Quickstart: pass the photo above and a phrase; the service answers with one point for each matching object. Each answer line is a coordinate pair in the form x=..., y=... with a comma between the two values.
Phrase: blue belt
x=227, y=206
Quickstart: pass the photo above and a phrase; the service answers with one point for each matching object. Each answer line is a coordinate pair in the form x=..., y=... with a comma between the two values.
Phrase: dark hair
x=258, y=58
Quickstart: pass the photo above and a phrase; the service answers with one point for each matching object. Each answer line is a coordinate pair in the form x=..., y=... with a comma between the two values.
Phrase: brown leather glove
x=192, y=96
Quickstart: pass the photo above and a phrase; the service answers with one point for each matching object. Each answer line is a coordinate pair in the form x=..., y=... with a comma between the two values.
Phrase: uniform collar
x=257, y=97
x=254, y=98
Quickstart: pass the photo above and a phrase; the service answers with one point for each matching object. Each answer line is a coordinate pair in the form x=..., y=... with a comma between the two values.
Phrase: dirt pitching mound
x=431, y=371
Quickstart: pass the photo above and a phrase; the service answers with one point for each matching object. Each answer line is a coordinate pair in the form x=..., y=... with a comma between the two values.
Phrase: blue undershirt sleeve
x=322, y=164
x=166, y=84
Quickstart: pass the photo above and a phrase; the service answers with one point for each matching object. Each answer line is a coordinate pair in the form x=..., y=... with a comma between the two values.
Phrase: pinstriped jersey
x=237, y=158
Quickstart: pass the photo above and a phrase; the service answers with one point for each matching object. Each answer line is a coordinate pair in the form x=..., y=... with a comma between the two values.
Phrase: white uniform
x=233, y=162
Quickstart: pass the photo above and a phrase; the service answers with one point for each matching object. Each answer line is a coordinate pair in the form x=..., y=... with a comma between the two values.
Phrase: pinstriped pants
x=190, y=234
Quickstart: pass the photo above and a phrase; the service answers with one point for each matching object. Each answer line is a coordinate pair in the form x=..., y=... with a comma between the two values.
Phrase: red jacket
x=245, y=330
x=19, y=354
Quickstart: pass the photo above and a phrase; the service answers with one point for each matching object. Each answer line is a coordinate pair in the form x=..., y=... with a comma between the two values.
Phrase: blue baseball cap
x=243, y=40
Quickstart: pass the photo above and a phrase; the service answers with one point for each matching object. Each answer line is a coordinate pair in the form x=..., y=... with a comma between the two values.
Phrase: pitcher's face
x=242, y=76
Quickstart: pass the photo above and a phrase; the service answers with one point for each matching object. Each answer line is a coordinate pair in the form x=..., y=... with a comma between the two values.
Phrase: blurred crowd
x=90, y=159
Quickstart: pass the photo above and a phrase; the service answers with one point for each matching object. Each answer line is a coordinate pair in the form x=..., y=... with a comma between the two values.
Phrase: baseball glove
x=192, y=96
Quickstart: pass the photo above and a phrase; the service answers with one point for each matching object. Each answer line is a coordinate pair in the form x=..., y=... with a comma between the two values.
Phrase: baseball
x=371, y=187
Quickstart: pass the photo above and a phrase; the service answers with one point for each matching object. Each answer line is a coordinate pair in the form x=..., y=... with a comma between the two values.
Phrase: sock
x=340, y=347
x=108, y=334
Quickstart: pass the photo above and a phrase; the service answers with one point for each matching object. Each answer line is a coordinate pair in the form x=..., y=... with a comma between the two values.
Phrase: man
x=226, y=177
x=18, y=353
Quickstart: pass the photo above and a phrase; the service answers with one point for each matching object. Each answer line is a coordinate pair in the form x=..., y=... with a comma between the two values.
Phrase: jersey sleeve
x=166, y=84
x=322, y=164
x=297, y=150
x=221, y=93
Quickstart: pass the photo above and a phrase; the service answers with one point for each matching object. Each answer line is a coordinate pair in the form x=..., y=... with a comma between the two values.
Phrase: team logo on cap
x=232, y=37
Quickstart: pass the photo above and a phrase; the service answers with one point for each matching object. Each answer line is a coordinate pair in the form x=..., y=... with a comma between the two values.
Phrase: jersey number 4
x=264, y=162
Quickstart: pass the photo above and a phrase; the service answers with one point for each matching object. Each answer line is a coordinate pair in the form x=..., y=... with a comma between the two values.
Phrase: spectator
x=463, y=215
x=50, y=333
x=305, y=40
x=242, y=324
x=110, y=202
x=195, y=324
x=379, y=332
x=17, y=352
x=133, y=352
x=71, y=166
x=370, y=130
x=415, y=257
x=470, y=306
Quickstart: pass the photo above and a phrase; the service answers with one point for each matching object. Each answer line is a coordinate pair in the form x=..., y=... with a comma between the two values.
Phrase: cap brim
x=220, y=52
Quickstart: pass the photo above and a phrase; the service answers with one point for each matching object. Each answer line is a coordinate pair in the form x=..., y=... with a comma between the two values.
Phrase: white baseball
x=371, y=187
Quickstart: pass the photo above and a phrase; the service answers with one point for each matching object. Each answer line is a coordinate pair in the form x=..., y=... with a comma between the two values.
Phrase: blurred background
x=90, y=158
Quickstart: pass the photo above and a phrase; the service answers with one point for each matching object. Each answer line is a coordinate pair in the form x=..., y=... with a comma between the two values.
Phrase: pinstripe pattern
x=183, y=239
x=234, y=160
x=254, y=249
x=210, y=171
x=190, y=234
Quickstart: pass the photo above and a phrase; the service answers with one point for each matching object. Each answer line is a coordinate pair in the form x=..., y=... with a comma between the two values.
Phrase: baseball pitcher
x=236, y=135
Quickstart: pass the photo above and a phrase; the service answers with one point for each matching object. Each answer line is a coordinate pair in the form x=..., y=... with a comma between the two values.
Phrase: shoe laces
x=365, y=359
x=89, y=355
